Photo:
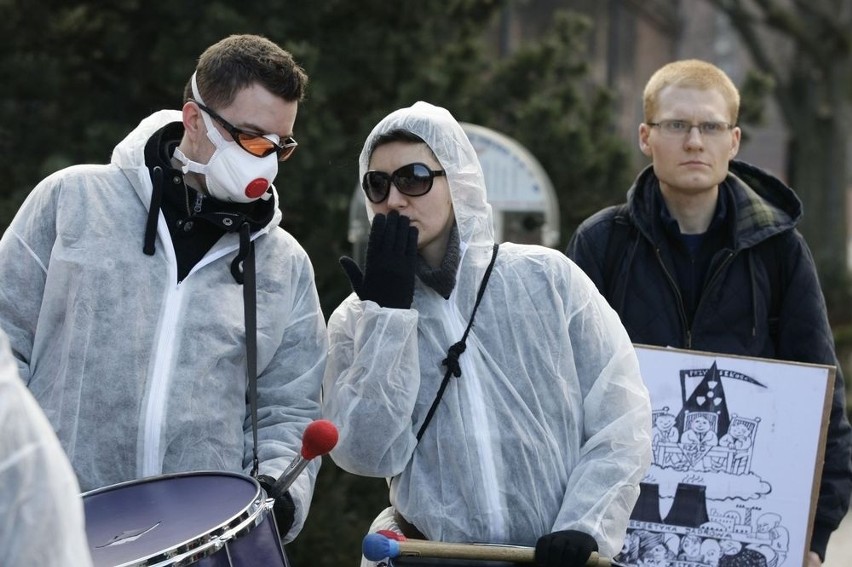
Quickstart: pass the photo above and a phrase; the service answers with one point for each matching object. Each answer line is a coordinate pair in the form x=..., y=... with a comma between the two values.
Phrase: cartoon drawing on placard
x=710, y=497
x=703, y=436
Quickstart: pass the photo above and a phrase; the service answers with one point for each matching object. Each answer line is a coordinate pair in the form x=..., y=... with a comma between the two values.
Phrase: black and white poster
x=737, y=454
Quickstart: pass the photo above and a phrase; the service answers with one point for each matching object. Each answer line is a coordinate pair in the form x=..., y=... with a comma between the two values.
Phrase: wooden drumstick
x=376, y=547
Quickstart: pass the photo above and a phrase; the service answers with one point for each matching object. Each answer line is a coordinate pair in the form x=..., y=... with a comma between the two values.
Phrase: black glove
x=284, y=509
x=568, y=548
x=388, y=277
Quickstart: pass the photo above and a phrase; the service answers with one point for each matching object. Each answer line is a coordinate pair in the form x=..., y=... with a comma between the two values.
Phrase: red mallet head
x=319, y=438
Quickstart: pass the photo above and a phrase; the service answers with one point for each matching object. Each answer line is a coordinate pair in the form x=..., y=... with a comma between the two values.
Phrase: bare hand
x=813, y=560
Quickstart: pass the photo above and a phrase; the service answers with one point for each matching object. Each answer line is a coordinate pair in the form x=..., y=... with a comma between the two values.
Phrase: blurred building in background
x=631, y=39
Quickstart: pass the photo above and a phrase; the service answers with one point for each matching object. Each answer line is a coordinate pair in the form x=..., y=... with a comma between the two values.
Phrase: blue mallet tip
x=376, y=547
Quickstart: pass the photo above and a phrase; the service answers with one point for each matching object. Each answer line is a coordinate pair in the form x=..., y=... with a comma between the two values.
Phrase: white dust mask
x=231, y=173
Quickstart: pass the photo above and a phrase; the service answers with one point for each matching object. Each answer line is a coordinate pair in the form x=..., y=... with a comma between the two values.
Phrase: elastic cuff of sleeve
x=819, y=540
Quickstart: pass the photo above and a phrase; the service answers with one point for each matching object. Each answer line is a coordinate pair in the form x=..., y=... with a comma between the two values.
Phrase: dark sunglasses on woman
x=414, y=180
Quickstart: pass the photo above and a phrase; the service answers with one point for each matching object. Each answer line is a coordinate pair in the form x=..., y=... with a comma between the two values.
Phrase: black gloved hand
x=388, y=277
x=568, y=548
x=284, y=509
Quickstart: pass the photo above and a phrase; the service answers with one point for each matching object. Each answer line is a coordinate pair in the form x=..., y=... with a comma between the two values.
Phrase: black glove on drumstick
x=284, y=509
x=388, y=277
x=568, y=548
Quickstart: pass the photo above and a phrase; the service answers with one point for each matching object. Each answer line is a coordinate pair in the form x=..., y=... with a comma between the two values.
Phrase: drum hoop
x=189, y=551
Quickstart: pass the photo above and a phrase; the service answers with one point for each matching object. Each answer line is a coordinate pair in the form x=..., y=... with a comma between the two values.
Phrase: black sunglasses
x=414, y=180
x=255, y=144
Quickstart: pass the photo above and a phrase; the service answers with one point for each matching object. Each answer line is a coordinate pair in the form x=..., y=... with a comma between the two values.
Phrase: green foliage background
x=80, y=76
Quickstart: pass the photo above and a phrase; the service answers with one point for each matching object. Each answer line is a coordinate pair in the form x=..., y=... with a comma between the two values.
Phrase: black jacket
x=739, y=311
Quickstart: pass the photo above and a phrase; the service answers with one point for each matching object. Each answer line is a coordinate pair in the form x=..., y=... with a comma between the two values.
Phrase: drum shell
x=207, y=519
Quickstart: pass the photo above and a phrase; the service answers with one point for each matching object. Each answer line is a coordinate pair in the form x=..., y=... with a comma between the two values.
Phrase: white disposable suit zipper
x=164, y=353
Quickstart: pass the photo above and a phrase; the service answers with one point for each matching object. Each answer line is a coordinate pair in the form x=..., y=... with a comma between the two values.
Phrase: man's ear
x=644, y=132
x=193, y=122
x=736, y=134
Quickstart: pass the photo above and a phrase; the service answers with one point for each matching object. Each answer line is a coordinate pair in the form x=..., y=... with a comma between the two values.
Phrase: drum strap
x=250, y=307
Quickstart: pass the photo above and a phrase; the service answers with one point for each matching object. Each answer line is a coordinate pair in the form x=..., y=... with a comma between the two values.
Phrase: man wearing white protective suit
x=493, y=385
x=121, y=290
x=41, y=512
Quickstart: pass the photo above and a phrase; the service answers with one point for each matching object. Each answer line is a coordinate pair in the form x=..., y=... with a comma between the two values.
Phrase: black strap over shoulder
x=456, y=350
x=247, y=277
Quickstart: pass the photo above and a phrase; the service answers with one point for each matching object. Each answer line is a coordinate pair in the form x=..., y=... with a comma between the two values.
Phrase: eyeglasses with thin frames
x=682, y=128
x=256, y=144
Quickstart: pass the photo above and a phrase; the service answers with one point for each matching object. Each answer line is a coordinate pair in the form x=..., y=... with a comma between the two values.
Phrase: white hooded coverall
x=139, y=374
x=548, y=427
x=41, y=512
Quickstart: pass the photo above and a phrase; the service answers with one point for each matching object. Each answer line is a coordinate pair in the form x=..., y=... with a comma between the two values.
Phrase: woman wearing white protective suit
x=493, y=385
x=41, y=510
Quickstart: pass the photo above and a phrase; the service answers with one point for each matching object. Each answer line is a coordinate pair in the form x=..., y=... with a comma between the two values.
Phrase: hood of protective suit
x=445, y=136
x=129, y=155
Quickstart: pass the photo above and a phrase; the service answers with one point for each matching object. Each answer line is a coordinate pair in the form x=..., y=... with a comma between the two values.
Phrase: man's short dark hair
x=237, y=62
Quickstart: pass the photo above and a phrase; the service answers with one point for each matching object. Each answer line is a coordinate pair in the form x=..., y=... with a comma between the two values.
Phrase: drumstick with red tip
x=319, y=438
x=376, y=547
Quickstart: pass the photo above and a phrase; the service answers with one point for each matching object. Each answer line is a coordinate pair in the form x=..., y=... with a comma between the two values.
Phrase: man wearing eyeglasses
x=128, y=290
x=705, y=254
